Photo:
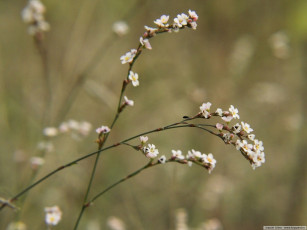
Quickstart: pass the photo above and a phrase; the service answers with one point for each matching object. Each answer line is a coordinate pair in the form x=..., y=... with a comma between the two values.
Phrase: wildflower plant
x=224, y=124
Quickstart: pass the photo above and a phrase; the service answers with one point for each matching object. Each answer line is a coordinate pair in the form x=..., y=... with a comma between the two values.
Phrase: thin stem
x=168, y=127
x=149, y=164
x=100, y=53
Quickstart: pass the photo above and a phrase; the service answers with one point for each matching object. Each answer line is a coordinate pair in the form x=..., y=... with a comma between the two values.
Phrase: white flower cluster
x=77, y=129
x=207, y=160
x=33, y=14
x=253, y=152
x=180, y=21
x=202, y=159
x=46, y=146
x=53, y=215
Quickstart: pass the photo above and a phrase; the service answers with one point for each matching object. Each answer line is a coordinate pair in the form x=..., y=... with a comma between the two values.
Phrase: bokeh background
x=252, y=54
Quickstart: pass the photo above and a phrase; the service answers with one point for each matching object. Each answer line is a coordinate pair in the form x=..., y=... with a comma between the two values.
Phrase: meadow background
x=252, y=54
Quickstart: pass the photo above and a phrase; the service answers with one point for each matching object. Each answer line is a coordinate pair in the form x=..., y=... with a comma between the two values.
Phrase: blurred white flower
x=36, y=162
x=53, y=215
x=33, y=14
x=279, y=42
x=114, y=223
x=45, y=146
x=121, y=28
x=84, y=128
x=50, y=131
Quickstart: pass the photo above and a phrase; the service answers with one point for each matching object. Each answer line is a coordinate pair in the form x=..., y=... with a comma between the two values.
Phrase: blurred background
x=251, y=54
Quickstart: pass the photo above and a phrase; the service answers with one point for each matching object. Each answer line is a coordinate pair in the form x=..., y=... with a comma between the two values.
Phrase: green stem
x=171, y=126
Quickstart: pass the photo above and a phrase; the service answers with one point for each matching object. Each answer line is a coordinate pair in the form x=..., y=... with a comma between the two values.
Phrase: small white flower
x=247, y=147
x=196, y=154
x=64, y=128
x=181, y=20
x=205, y=109
x=258, y=159
x=227, y=137
x=128, y=57
x=128, y=102
x=45, y=146
x=84, y=128
x=162, y=21
x=193, y=25
x=219, y=112
x=36, y=162
x=258, y=145
x=246, y=127
x=162, y=159
x=151, y=151
x=190, y=163
x=145, y=42
x=50, y=131
x=113, y=223
x=227, y=119
x=73, y=124
x=134, y=78
x=120, y=28
x=151, y=30
x=239, y=144
x=193, y=15
x=190, y=155
x=234, y=112
x=143, y=139
x=219, y=126
x=177, y=154
x=53, y=215
x=251, y=137
x=236, y=128
x=210, y=159
x=103, y=129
